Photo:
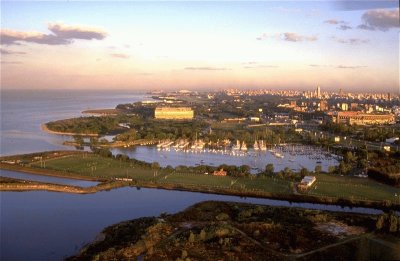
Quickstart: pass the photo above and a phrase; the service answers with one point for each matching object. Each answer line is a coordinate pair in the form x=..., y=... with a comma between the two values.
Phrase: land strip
x=329, y=189
x=46, y=129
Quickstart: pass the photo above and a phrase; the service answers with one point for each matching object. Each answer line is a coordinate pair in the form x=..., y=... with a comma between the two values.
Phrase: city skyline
x=201, y=45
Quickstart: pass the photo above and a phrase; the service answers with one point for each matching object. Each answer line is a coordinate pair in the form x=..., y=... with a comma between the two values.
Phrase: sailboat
x=237, y=146
x=244, y=147
x=255, y=146
x=263, y=147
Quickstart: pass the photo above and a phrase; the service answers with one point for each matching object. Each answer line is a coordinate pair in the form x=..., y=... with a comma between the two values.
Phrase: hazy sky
x=200, y=45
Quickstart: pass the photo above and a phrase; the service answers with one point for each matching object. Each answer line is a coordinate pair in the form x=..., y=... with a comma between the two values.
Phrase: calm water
x=47, y=179
x=49, y=226
x=23, y=112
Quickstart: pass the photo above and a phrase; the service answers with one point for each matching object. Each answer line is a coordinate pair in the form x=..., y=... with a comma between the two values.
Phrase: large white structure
x=174, y=113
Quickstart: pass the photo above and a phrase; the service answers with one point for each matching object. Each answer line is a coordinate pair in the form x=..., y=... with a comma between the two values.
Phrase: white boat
x=243, y=147
x=237, y=146
x=263, y=147
x=255, y=145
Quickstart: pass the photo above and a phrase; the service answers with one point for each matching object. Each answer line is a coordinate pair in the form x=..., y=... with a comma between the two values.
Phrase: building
x=318, y=92
x=307, y=182
x=323, y=105
x=220, y=172
x=358, y=118
x=344, y=107
x=174, y=113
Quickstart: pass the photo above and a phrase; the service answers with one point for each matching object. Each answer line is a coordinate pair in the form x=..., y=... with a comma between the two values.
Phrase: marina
x=281, y=156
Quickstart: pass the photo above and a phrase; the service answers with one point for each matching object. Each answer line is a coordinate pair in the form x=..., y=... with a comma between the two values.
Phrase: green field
x=353, y=188
x=326, y=185
x=97, y=166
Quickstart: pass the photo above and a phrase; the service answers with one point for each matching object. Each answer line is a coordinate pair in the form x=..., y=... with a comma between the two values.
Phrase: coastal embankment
x=103, y=112
x=47, y=130
x=349, y=191
x=10, y=184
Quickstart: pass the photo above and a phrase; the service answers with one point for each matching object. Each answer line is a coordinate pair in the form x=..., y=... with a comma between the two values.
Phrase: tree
x=269, y=169
x=155, y=165
x=331, y=169
x=318, y=169
x=380, y=222
x=191, y=237
x=304, y=172
x=202, y=235
x=78, y=139
x=393, y=223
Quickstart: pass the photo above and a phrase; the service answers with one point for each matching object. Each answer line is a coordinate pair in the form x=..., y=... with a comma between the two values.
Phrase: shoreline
x=26, y=185
x=47, y=172
x=167, y=186
x=47, y=130
x=102, y=112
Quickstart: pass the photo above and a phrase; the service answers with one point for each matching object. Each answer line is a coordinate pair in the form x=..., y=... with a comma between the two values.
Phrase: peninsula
x=119, y=170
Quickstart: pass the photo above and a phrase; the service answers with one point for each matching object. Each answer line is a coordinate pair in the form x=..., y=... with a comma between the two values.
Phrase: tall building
x=318, y=92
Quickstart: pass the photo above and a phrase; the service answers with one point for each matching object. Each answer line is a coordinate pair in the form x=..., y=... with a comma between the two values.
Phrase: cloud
x=289, y=36
x=206, y=68
x=262, y=37
x=350, y=67
x=333, y=21
x=120, y=55
x=352, y=41
x=344, y=27
x=293, y=37
x=11, y=62
x=337, y=66
x=8, y=52
x=346, y=5
x=61, y=34
x=380, y=19
x=366, y=27
x=259, y=66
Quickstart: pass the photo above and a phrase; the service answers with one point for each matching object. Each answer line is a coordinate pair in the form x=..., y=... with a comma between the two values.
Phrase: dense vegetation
x=86, y=125
x=236, y=231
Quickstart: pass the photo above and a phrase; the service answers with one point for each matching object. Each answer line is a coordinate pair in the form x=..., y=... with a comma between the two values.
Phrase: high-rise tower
x=318, y=92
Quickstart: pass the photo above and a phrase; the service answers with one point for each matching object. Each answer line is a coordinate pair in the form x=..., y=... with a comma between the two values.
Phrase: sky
x=200, y=45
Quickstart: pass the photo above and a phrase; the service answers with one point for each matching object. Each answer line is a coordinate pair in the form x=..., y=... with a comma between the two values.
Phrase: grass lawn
x=353, y=187
x=327, y=185
x=96, y=166
x=197, y=179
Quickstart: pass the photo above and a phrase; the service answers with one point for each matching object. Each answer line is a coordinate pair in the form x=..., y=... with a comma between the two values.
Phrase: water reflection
x=41, y=225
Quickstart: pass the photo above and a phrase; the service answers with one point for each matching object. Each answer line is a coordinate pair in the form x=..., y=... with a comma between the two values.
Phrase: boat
x=237, y=146
x=243, y=147
x=262, y=146
x=255, y=145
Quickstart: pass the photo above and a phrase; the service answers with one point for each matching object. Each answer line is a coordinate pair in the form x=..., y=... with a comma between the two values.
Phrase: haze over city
x=200, y=45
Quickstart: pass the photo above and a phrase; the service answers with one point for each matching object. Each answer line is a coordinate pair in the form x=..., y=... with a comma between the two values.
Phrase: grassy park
x=328, y=186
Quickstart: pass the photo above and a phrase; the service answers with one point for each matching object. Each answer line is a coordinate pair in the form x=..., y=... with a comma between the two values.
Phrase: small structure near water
x=307, y=182
x=220, y=172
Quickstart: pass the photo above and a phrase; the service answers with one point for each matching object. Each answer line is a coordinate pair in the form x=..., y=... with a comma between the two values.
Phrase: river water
x=48, y=225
